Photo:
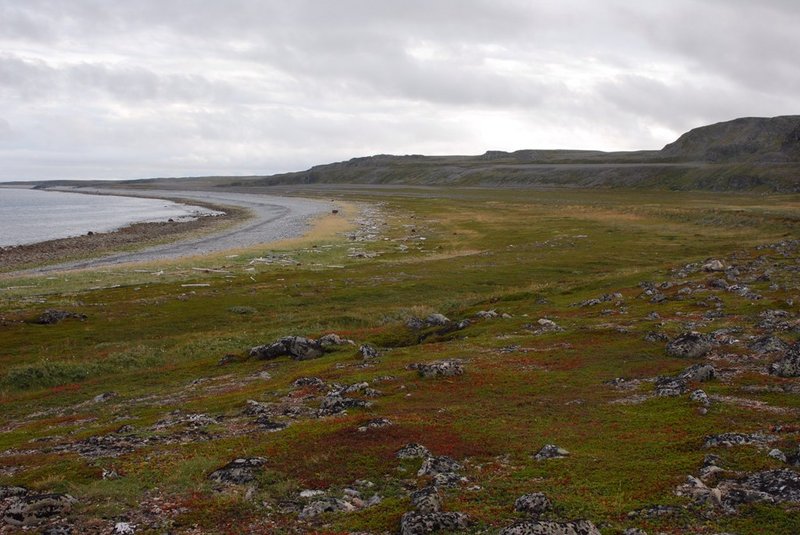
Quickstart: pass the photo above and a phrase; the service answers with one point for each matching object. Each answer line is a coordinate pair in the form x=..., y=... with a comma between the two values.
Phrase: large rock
x=738, y=439
x=789, y=365
x=690, y=345
x=441, y=464
x=296, y=347
x=782, y=485
x=670, y=387
x=417, y=523
x=534, y=527
x=239, y=471
x=33, y=509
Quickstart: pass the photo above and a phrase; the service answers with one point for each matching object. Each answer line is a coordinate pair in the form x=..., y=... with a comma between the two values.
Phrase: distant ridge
x=775, y=139
x=746, y=154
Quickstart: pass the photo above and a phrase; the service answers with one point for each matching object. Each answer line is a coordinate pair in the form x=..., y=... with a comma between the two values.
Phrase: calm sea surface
x=30, y=216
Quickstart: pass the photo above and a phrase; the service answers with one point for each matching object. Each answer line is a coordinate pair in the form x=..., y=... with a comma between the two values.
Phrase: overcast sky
x=145, y=88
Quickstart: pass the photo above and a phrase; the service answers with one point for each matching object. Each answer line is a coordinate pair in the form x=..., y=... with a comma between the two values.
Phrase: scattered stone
x=486, y=314
x=437, y=320
x=336, y=403
x=698, y=373
x=775, y=453
x=326, y=505
x=550, y=451
x=105, y=396
x=296, y=347
x=546, y=326
x=539, y=527
x=311, y=493
x=239, y=471
x=738, y=439
x=415, y=324
x=789, y=365
x=413, y=451
x=655, y=337
x=427, y=500
x=700, y=397
x=768, y=344
x=670, y=387
x=314, y=382
x=533, y=504
x=62, y=529
x=441, y=464
x=690, y=345
x=333, y=339
x=439, y=368
x=367, y=352
x=782, y=485
x=416, y=523
x=52, y=316
x=375, y=423
x=124, y=528
x=655, y=511
x=266, y=423
x=33, y=509
x=714, y=265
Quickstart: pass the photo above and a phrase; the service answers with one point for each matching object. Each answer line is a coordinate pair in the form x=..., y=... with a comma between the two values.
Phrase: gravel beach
x=272, y=218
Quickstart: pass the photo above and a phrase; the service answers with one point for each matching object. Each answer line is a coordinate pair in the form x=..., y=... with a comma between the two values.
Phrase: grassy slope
x=520, y=252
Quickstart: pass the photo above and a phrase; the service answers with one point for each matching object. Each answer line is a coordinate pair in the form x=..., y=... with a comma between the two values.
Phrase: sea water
x=31, y=216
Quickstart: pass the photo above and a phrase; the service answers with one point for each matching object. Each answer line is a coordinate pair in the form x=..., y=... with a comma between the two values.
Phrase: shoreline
x=132, y=237
x=249, y=220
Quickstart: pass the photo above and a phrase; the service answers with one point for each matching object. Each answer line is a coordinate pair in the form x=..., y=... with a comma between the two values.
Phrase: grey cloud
x=163, y=87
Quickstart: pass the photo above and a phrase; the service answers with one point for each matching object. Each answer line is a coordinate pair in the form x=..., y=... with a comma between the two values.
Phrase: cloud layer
x=98, y=89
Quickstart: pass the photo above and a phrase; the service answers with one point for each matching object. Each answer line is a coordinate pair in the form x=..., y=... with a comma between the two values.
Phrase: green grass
x=531, y=254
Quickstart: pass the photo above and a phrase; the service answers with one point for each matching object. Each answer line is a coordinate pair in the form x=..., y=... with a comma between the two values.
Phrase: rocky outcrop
x=33, y=509
x=789, y=364
x=440, y=368
x=690, y=345
x=537, y=527
x=533, y=504
x=296, y=347
x=239, y=471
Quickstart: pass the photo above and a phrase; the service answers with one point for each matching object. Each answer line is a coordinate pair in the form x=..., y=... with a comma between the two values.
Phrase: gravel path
x=274, y=218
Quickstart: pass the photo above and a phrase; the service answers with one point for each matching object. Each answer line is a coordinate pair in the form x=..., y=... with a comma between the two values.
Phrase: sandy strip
x=273, y=219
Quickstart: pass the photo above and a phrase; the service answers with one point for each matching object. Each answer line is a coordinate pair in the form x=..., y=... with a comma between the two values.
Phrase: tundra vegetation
x=506, y=359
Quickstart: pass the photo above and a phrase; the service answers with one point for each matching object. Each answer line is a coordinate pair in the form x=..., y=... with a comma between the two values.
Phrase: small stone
x=124, y=528
x=427, y=500
x=437, y=320
x=690, y=345
x=440, y=368
x=539, y=527
x=239, y=471
x=550, y=451
x=775, y=453
x=367, y=352
x=416, y=523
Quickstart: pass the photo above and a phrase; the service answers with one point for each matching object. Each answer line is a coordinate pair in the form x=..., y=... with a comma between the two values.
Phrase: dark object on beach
x=334, y=211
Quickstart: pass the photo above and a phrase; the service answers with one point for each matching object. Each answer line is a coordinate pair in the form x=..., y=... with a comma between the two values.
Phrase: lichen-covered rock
x=690, y=345
x=12, y=492
x=366, y=352
x=325, y=505
x=238, y=471
x=336, y=403
x=437, y=320
x=296, y=347
x=416, y=523
x=670, y=387
x=441, y=464
x=550, y=451
x=333, y=339
x=782, y=485
x=738, y=439
x=313, y=382
x=440, y=368
x=698, y=373
x=535, y=503
x=767, y=344
x=427, y=500
x=700, y=397
x=537, y=527
x=413, y=451
x=374, y=423
x=33, y=509
x=789, y=365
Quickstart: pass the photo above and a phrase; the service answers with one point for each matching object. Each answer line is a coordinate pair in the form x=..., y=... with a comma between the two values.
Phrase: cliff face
x=745, y=140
